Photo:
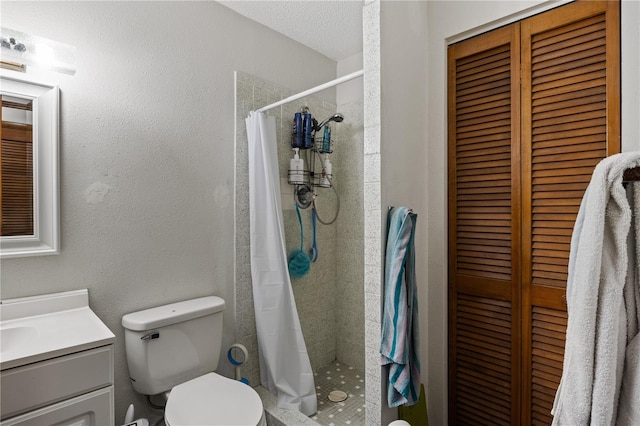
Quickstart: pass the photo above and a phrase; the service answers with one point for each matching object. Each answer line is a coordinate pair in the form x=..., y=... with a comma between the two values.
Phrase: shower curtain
x=285, y=368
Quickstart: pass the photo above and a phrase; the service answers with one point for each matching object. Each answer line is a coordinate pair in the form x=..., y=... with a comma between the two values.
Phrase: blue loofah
x=299, y=261
x=299, y=264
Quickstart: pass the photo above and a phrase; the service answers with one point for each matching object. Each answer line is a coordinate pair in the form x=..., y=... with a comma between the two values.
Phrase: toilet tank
x=171, y=344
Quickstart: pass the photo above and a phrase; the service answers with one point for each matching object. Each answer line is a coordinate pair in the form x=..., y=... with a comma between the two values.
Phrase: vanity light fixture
x=19, y=50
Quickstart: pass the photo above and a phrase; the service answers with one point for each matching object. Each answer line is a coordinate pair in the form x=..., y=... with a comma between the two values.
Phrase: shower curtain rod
x=313, y=90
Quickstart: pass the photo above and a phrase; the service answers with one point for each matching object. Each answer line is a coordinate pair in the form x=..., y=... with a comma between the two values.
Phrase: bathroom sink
x=41, y=327
x=10, y=337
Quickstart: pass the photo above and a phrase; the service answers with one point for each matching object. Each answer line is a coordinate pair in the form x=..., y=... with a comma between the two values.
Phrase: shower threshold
x=336, y=376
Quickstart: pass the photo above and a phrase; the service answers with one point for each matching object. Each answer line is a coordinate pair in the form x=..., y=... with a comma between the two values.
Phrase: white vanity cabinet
x=57, y=366
x=75, y=389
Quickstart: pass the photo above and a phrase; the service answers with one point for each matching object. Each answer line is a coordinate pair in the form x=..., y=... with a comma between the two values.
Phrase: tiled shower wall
x=330, y=298
x=373, y=221
x=348, y=168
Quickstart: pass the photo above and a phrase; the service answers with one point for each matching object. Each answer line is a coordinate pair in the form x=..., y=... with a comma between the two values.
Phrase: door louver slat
x=586, y=120
x=484, y=358
x=548, y=338
x=483, y=153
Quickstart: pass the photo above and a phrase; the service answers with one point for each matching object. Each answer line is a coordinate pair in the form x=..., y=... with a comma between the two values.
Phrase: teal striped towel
x=400, y=343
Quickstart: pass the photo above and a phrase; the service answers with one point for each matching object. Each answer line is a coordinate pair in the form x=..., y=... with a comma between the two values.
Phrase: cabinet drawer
x=35, y=385
x=92, y=409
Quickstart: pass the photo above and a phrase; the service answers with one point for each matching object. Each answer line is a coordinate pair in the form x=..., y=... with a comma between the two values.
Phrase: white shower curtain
x=284, y=362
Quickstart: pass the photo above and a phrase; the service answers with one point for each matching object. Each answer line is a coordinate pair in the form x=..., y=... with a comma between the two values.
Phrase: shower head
x=335, y=117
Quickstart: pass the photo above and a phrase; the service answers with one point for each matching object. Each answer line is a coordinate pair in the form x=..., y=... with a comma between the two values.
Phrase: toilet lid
x=213, y=400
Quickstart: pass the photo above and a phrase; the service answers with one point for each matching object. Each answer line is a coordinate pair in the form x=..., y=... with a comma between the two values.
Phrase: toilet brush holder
x=139, y=422
x=237, y=356
x=128, y=418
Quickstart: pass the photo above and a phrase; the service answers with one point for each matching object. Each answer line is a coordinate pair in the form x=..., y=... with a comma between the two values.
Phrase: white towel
x=629, y=407
x=598, y=327
x=629, y=403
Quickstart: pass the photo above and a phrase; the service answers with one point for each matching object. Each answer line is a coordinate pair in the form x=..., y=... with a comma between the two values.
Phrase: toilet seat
x=213, y=400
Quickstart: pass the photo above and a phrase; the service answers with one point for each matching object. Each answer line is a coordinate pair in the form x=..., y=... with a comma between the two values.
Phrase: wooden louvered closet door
x=570, y=121
x=484, y=228
x=533, y=107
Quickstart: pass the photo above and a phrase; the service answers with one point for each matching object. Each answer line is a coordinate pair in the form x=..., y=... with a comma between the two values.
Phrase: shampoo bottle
x=325, y=179
x=297, y=135
x=326, y=139
x=296, y=168
x=307, y=124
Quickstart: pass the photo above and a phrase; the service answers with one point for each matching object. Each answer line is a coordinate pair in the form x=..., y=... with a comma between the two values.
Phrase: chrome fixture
x=335, y=117
x=19, y=50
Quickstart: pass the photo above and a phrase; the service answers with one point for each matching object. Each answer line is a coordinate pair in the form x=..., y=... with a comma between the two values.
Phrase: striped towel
x=400, y=341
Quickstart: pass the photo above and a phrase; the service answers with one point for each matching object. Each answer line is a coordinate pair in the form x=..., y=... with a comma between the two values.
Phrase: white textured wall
x=147, y=152
x=630, y=17
x=403, y=138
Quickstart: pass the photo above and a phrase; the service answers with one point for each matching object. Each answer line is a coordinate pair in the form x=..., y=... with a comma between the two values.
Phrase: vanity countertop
x=36, y=328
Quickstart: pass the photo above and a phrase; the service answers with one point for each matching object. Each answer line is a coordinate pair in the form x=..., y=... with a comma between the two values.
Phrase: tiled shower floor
x=342, y=377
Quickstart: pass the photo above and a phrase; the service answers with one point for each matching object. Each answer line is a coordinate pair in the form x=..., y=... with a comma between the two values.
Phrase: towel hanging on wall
x=600, y=382
x=400, y=343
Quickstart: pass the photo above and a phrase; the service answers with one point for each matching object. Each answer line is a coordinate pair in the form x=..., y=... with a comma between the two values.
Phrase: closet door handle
x=564, y=299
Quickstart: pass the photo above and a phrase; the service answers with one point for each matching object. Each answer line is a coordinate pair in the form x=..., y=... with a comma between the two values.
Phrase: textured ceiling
x=333, y=28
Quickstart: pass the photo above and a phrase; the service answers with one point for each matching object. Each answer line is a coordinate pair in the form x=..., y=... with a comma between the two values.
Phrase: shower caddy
x=306, y=179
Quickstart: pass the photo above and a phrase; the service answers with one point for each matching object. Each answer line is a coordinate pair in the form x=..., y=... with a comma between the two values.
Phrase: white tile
x=372, y=168
x=372, y=139
x=372, y=334
x=373, y=219
x=372, y=252
x=372, y=199
x=372, y=307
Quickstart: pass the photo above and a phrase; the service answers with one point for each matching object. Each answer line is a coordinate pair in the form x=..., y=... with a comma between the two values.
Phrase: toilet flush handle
x=151, y=336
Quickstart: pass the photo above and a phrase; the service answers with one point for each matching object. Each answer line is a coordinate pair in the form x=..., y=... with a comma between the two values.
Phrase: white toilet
x=174, y=350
